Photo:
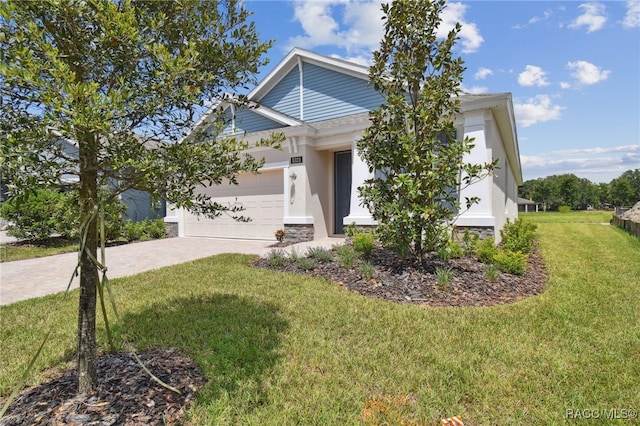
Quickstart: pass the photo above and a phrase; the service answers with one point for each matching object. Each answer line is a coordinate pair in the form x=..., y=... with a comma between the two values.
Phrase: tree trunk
x=87, y=374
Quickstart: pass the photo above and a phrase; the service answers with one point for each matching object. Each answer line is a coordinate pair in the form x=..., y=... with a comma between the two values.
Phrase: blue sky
x=573, y=68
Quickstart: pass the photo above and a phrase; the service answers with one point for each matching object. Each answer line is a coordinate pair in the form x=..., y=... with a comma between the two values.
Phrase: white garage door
x=262, y=197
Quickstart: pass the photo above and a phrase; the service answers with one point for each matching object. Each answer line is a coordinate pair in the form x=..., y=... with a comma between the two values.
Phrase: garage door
x=262, y=197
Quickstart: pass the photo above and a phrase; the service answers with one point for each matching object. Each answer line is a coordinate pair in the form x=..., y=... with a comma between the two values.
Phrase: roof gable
x=297, y=56
x=312, y=88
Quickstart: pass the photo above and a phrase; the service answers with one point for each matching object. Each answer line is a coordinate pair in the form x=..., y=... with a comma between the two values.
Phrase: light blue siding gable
x=329, y=94
x=246, y=121
x=284, y=97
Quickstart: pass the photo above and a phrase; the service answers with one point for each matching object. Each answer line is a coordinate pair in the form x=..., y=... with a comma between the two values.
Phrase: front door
x=342, y=188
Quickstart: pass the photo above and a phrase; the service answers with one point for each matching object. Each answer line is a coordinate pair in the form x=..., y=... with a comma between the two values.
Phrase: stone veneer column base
x=483, y=231
x=298, y=233
x=172, y=229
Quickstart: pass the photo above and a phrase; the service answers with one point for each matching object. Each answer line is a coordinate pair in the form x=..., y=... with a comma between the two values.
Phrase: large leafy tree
x=625, y=189
x=411, y=143
x=120, y=81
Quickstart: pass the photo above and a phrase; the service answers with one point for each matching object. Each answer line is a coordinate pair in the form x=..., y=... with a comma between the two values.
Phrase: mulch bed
x=126, y=395
x=403, y=280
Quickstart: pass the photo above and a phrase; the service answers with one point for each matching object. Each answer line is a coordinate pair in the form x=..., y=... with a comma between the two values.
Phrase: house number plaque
x=296, y=160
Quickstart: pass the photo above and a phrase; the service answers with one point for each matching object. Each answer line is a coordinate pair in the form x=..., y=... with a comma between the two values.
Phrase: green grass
x=282, y=349
x=592, y=216
x=11, y=252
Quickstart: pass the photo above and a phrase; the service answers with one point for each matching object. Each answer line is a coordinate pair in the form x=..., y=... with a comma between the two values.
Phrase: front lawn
x=29, y=250
x=282, y=349
x=574, y=216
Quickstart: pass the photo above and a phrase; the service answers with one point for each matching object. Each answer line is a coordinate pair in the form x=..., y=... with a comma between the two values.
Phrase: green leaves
x=411, y=142
x=129, y=74
x=102, y=93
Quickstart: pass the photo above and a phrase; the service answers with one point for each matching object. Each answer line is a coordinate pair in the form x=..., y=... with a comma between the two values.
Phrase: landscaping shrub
x=564, y=209
x=518, y=235
x=320, y=254
x=294, y=255
x=511, y=262
x=156, y=228
x=132, y=231
x=45, y=213
x=443, y=275
x=492, y=272
x=35, y=217
x=451, y=250
x=305, y=263
x=346, y=255
x=350, y=230
x=363, y=242
x=144, y=230
x=485, y=250
x=468, y=241
x=368, y=270
x=276, y=258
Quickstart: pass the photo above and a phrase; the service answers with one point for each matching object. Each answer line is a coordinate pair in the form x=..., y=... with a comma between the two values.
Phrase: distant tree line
x=579, y=193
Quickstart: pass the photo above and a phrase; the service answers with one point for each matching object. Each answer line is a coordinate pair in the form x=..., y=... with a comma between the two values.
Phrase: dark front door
x=342, y=188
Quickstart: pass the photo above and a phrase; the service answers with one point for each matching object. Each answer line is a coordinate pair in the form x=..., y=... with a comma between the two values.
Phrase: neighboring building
x=525, y=206
x=309, y=188
x=139, y=204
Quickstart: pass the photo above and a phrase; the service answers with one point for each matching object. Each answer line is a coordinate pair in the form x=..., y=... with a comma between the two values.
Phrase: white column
x=295, y=187
x=358, y=213
x=175, y=215
x=479, y=214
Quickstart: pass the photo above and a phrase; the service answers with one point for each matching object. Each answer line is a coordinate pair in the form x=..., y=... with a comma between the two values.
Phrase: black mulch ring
x=126, y=395
x=401, y=280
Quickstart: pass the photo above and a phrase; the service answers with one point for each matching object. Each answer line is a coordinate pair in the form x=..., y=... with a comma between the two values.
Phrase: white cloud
x=593, y=18
x=318, y=24
x=469, y=34
x=547, y=14
x=596, y=164
x=474, y=89
x=622, y=148
x=536, y=110
x=587, y=73
x=482, y=73
x=565, y=85
x=357, y=59
x=357, y=27
x=532, y=76
x=364, y=22
x=632, y=18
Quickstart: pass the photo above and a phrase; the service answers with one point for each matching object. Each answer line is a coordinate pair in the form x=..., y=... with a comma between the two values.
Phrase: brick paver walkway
x=25, y=279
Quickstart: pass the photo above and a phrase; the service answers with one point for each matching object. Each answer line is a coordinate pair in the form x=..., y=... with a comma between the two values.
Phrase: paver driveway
x=25, y=279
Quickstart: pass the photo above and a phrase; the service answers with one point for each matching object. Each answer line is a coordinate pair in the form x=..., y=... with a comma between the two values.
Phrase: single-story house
x=525, y=205
x=309, y=188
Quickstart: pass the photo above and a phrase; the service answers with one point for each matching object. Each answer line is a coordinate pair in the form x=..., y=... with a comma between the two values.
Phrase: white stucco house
x=309, y=187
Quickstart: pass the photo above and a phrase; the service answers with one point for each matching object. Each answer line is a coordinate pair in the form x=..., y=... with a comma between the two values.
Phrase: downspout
x=301, y=88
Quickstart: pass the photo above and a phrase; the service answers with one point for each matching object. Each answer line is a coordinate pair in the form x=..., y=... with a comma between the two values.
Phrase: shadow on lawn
x=234, y=340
